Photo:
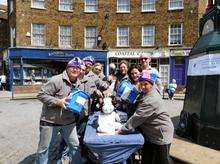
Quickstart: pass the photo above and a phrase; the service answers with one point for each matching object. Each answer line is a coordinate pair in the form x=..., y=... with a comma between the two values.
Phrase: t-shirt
x=3, y=79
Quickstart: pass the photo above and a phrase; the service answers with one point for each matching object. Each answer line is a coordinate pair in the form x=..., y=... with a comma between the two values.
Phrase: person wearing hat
x=154, y=122
x=54, y=118
x=145, y=66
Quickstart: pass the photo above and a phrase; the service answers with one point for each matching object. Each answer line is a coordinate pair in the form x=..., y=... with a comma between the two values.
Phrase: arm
x=144, y=111
x=47, y=95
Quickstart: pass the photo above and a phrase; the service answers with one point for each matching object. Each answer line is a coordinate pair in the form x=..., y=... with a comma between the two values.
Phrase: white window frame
x=37, y=7
x=175, y=8
x=90, y=37
x=167, y=67
x=144, y=2
x=142, y=35
x=181, y=35
x=70, y=5
x=95, y=5
x=70, y=36
x=44, y=35
x=123, y=11
x=118, y=37
x=11, y=6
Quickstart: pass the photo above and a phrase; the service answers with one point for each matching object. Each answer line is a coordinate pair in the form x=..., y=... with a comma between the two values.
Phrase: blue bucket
x=127, y=91
x=77, y=100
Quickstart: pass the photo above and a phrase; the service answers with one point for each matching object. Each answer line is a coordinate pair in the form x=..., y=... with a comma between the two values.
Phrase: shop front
x=33, y=67
x=159, y=59
x=179, y=60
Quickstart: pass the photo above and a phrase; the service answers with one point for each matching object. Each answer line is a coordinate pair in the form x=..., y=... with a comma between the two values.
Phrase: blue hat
x=75, y=62
x=150, y=77
x=89, y=59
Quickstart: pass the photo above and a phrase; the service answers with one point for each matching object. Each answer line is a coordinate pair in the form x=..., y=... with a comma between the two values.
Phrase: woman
x=152, y=118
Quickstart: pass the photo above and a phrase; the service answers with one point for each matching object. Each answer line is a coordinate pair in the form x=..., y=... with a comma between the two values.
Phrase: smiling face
x=123, y=68
x=144, y=61
x=135, y=74
x=97, y=69
x=73, y=73
x=145, y=86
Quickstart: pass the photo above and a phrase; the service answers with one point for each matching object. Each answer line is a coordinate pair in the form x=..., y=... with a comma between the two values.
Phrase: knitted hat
x=75, y=62
x=150, y=77
x=89, y=59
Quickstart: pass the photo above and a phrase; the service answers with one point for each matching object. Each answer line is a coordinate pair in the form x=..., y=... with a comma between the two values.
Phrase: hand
x=104, y=86
x=119, y=131
x=98, y=93
x=62, y=103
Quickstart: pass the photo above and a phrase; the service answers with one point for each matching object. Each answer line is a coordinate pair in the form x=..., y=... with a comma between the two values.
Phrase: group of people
x=148, y=114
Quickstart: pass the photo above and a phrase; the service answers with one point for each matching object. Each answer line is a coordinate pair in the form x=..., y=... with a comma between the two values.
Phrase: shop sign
x=60, y=53
x=180, y=52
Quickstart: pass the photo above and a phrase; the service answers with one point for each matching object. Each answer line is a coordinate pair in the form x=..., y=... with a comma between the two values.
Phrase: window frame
x=142, y=36
x=169, y=35
x=35, y=7
x=91, y=11
x=127, y=11
x=142, y=7
x=59, y=37
x=32, y=43
x=175, y=8
x=70, y=10
x=94, y=37
x=118, y=45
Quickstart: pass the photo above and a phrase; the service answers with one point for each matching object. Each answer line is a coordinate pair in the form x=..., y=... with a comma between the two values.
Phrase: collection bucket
x=77, y=100
x=127, y=92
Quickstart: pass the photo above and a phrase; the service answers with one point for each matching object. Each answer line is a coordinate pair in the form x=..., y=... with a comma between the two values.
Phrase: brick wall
x=78, y=19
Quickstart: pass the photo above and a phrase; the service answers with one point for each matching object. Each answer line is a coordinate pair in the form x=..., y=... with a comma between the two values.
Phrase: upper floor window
x=11, y=6
x=148, y=5
x=175, y=34
x=38, y=34
x=90, y=37
x=175, y=4
x=40, y=4
x=122, y=36
x=148, y=35
x=66, y=5
x=65, y=36
x=123, y=5
x=91, y=5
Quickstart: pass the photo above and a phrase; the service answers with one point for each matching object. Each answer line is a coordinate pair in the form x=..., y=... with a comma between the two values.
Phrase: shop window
x=164, y=74
x=154, y=63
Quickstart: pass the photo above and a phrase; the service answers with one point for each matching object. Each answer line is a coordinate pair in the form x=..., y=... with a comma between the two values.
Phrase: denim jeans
x=47, y=137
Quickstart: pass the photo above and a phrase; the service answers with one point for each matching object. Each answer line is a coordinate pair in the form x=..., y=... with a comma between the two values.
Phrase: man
x=145, y=66
x=54, y=117
x=154, y=121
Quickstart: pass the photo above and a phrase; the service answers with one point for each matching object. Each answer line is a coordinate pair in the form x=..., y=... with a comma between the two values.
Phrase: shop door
x=179, y=74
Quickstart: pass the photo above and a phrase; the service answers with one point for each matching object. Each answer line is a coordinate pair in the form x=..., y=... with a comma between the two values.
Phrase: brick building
x=4, y=39
x=109, y=30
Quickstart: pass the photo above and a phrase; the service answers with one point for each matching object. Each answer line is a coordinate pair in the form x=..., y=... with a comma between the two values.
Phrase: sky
x=4, y=2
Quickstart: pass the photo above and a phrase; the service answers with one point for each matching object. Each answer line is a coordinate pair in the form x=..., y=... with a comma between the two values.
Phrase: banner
x=204, y=65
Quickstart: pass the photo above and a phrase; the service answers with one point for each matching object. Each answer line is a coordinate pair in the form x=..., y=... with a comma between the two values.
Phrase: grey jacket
x=57, y=87
x=152, y=118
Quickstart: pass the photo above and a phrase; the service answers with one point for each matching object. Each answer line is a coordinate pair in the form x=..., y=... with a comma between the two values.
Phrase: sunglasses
x=144, y=59
x=98, y=69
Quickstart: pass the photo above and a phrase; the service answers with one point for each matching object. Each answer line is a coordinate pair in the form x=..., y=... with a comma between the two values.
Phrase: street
x=19, y=121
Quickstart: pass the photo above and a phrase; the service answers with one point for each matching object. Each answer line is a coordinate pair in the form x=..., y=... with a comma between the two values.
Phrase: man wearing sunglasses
x=145, y=67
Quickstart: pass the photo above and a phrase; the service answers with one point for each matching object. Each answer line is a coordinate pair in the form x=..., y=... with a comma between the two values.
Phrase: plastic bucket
x=127, y=92
x=77, y=100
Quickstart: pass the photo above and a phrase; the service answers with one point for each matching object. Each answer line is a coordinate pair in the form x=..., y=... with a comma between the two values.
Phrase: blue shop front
x=24, y=63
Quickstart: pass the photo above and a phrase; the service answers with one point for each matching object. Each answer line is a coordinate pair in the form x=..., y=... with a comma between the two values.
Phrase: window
x=40, y=4
x=148, y=35
x=175, y=34
x=12, y=37
x=164, y=74
x=90, y=37
x=65, y=5
x=65, y=36
x=123, y=5
x=38, y=34
x=11, y=6
x=91, y=5
x=148, y=5
x=122, y=36
x=175, y=4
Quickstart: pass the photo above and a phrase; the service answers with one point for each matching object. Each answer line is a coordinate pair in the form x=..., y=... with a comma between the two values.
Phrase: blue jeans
x=47, y=137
